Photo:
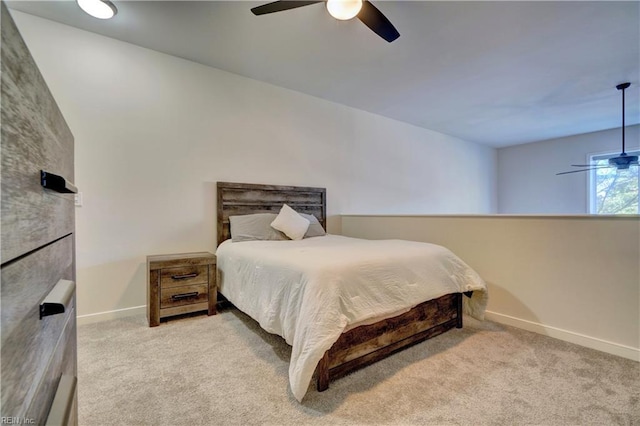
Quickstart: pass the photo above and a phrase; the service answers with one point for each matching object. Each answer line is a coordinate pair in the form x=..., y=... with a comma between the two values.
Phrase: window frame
x=591, y=180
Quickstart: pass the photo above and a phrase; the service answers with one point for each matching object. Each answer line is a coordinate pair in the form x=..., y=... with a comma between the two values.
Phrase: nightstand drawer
x=184, y=275
x=184, y=295
x=179, y=284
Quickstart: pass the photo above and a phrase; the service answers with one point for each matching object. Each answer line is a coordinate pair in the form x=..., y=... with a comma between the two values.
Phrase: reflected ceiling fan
x=342, y=10
x=621, y=162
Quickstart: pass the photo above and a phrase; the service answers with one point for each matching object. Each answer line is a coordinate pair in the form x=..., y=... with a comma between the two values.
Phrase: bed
x=322, y=294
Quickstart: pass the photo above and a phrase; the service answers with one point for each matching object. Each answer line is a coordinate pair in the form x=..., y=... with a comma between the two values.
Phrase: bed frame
x=362, y=345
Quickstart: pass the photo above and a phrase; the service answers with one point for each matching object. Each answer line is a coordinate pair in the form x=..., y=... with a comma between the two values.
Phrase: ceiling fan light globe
x=101, y=9
x=344, y=9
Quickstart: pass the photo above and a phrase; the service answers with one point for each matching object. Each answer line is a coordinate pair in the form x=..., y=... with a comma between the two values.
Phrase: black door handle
x=57, y=183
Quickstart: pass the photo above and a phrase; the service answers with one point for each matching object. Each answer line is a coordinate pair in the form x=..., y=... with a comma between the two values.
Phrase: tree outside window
x=614, y=191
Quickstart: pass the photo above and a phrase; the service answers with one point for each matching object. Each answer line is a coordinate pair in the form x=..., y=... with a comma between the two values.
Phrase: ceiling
x=496, y=73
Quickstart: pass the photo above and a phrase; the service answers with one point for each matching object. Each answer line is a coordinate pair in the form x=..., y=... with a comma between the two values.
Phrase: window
x=613, y=191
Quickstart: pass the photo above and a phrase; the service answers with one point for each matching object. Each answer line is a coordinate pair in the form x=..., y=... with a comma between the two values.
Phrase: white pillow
x=291, y=223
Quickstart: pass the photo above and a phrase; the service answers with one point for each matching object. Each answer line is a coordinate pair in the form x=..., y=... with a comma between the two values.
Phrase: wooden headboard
x=246, y=198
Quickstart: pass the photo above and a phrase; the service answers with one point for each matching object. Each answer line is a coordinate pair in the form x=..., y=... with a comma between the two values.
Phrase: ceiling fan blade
x=279, y=6
x=377, y=22
x=582, y=170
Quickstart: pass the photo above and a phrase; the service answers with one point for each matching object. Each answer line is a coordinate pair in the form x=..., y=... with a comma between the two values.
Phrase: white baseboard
x=557, y=333
x=568, y=336
x=109, y=315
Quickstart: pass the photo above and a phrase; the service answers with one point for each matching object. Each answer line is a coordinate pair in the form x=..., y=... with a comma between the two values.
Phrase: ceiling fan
x=621, y=162
x=342, y=10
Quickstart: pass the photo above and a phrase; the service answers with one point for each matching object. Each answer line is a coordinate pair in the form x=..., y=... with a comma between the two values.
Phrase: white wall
x=576, y=278
x=154, y=133
x=527, y=181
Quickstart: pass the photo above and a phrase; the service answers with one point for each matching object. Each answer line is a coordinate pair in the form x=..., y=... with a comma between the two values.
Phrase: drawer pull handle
x=184, y=276
x=57, y=183
x=62, y=408
x=58, y=299
x=182, y=296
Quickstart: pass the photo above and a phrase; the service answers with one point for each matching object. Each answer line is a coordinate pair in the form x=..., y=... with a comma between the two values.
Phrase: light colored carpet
x=225, y=370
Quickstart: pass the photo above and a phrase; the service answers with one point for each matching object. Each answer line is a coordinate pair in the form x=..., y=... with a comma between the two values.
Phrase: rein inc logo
x=17, y=421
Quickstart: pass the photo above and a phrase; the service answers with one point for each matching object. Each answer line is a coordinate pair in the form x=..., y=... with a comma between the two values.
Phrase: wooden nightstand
x=179, y=284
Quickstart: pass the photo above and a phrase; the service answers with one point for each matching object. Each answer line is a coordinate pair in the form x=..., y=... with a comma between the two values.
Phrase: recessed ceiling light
x=101, y=9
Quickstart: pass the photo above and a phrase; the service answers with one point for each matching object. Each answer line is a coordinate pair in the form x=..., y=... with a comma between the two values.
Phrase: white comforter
x=312, y=290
